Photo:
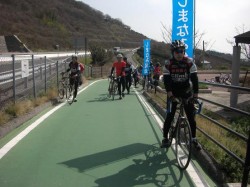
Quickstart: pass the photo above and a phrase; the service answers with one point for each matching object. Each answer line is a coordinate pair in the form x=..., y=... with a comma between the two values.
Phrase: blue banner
x=183, y=23
x=147, y=58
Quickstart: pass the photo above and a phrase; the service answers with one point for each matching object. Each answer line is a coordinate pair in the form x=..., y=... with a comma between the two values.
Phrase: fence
x=27, y=76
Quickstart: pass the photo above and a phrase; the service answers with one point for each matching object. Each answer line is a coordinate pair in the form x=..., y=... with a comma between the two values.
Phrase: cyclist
x=119, y=67
x=178, y=72
x=135, y=76
x=82, y=67
x=128, y=72
x=75, y=70
x=156, y=73
x=149, y=76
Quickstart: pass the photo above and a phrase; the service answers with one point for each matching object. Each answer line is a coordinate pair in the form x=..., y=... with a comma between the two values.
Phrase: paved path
x=95, y=142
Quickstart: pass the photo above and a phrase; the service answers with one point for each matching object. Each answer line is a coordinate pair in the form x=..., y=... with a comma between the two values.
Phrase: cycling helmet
x=119, y=56
x=74, y=56
x=177, y=44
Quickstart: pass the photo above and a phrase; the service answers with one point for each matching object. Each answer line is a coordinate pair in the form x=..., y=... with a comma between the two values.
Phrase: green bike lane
x=95, y=142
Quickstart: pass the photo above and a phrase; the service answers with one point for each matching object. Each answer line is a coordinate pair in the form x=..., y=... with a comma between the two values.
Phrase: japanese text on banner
x=183, y=23
x=147, y=57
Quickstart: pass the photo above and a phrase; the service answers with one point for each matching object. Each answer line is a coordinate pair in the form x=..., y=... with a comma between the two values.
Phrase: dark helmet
x=176, y=44
x=125, y=58
x=74, y=56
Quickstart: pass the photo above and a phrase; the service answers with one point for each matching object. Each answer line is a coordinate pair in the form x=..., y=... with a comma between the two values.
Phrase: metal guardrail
x=245, y=163
x=41, y=73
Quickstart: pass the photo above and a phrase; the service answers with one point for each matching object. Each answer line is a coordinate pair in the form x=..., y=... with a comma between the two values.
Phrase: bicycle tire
x=183, y=144
x=61, y=92
x=114, y=89
x=110, y=90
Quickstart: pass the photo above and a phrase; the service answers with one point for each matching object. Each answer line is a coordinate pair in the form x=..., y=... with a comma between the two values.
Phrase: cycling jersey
x=128, y=70
x=177, y=77
x=74, y=68
x=119, y=67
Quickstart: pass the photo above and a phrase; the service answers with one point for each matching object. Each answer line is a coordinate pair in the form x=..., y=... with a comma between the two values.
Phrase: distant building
x=206, y=65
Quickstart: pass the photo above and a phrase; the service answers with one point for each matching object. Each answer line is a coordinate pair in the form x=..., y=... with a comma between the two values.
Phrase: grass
x=14, y=110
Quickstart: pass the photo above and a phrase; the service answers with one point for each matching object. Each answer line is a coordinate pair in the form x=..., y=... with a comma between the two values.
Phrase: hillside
x=43, y=24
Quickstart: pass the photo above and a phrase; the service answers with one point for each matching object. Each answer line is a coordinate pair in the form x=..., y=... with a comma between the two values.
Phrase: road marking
x=191, y=169
x=7, y=147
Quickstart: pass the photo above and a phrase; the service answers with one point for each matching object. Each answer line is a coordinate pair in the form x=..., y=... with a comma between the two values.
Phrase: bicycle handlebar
x=197, y=105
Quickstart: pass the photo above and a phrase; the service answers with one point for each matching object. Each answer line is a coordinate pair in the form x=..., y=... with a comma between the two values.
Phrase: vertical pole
x=85, y=50
x=203, y=54
x=194, y=30
x=45, y=73
x=14, y=78
x=33, y=76
x=57, y=74
x=235, y=75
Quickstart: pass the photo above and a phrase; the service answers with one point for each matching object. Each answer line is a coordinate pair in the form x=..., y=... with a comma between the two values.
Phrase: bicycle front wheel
x=183, y=144
x=114, y=90
x=61, y=91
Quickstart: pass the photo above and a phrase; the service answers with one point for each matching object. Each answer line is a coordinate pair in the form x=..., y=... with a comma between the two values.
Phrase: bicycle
x=113, y=86
x=63, y=84
x=181, y=131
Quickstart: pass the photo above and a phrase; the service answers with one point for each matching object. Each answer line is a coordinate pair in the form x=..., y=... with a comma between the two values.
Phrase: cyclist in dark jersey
x=128, y=74
x=75, y=70
x=180, y=80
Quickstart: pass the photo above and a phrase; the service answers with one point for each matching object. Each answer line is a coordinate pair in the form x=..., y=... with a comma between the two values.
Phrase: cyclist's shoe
x=120, y=97
x=196, y=144
x=165, y=143
x=75, y=100
x=123, y=95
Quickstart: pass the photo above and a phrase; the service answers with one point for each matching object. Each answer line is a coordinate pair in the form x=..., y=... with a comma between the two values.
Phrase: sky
x=218, y=20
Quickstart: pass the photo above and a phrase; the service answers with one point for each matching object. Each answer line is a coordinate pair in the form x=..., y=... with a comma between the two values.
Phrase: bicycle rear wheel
x=183, y=144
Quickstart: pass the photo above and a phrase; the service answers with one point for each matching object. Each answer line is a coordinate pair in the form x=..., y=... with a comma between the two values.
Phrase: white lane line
x=7, y=147
x=191, y=170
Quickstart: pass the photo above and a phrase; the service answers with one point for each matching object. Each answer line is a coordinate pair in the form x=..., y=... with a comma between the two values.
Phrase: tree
x=99, y=55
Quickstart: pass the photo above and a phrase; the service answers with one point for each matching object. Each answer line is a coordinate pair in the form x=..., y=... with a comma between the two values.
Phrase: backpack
x=82, y=67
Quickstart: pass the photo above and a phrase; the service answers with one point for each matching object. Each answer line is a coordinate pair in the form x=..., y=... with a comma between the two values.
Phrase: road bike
x=181, y=131
x=63, y=85
x=113, y=86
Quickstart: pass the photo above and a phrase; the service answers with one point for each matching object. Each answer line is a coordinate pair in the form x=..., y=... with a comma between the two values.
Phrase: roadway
x=95, y=142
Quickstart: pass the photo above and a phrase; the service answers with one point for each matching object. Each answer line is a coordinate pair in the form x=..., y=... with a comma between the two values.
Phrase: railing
x=246, y=162
x=26, y=76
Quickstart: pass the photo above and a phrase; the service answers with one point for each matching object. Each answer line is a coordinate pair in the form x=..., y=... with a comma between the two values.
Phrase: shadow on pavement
x=155, y=169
